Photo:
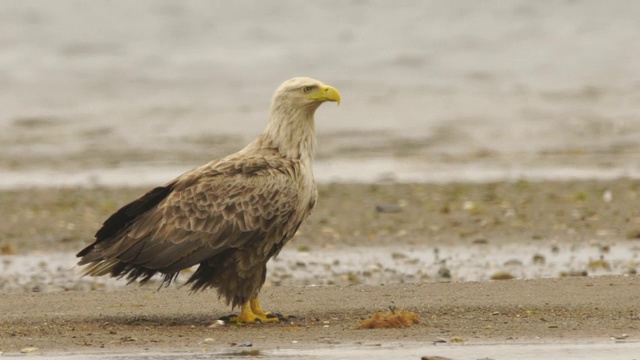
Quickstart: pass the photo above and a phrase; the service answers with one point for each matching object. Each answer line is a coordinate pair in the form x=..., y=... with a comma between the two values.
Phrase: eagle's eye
x=306, y=89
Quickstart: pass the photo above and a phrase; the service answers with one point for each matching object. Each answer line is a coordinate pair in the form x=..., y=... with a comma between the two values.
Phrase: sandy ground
x=65, y=219
x=533, y=310
x=348, y=218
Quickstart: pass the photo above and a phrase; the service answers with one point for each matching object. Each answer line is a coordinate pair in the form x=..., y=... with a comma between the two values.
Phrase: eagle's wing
x=203, y=214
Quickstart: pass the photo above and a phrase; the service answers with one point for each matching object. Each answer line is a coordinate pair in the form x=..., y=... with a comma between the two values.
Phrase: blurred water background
x=135, y=92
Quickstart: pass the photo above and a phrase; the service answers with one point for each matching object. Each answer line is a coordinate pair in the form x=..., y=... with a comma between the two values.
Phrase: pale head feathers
x=291, y=126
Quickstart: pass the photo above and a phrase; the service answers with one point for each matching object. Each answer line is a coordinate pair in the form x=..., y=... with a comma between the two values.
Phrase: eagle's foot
x=252, y=313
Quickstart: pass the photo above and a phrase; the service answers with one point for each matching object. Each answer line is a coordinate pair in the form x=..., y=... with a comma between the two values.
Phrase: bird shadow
x=156, y=320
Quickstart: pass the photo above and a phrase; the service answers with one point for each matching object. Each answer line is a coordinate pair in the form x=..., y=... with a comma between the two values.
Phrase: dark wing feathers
x=123, y=217
x=198, y=216
x=128, y=212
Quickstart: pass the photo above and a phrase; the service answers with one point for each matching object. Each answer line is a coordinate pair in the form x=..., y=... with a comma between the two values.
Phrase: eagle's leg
x=251, y=312
x=255, y=307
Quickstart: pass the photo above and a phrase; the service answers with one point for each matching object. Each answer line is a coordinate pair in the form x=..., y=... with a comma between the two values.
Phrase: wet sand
x=351, y=217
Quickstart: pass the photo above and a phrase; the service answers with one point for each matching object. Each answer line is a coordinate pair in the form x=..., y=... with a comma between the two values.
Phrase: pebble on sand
x=539, y=259
x=502, y=275
x=388, y=208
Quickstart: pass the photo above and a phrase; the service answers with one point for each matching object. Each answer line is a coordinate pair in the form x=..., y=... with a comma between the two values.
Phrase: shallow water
x=585, y=350
x=370, y=170
x=360, y=265
x=121, y=93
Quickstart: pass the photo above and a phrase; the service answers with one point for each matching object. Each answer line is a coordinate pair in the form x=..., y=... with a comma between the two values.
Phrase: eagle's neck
x=291, y=130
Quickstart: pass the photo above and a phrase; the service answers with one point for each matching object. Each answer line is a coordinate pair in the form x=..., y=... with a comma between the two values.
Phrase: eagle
x=228, y=217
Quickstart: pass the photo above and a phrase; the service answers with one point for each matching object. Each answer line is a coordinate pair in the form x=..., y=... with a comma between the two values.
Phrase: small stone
x=513, y=262
x=444, y=273
x=573, y=273
x=388, y=208
x=216, y=324
x=468, y=205
x=502, y=275
x=208, y=341
x=539, y=259
x=413, y=261
x=29, y=350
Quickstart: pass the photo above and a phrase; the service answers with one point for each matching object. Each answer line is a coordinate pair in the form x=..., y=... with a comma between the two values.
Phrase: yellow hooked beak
x=325, y=93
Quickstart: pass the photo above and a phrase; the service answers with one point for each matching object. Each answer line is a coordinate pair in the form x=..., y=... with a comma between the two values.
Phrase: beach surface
x=482, y=171
x=520, y=311
x=558, y=292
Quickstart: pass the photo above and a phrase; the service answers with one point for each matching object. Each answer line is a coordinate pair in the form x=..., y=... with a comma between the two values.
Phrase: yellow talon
x=251, y=313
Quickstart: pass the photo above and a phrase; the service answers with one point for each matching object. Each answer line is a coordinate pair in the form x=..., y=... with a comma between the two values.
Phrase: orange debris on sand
x=389, y=320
